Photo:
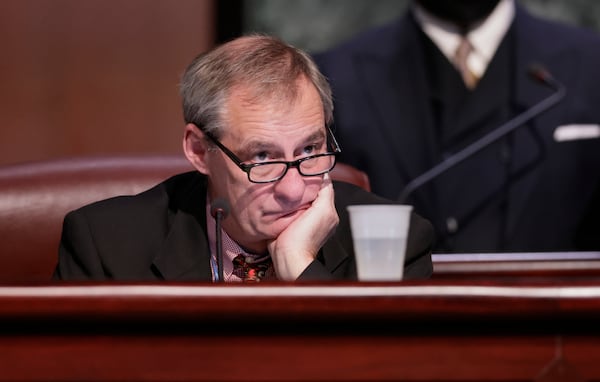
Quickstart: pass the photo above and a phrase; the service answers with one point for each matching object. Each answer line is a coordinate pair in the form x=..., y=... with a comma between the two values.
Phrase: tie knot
x=249, y=268
x=463, y=50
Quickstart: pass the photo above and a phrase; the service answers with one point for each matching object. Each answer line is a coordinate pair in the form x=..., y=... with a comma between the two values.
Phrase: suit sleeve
x=421, y=238
x=336, y=261
x=78, y=257
x=417, y=264
x=315, y=272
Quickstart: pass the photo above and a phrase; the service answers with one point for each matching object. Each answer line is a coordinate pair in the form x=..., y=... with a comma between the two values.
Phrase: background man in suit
x=404, y=104
x=257, y=113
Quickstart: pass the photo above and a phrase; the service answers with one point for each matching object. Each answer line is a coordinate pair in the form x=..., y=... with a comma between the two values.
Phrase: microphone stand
x=219, y=209
x=540, y=75
x=218, y=219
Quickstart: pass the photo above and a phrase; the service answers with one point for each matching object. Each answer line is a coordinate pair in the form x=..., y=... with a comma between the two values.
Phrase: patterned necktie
x=249, y=270
x=460, y=61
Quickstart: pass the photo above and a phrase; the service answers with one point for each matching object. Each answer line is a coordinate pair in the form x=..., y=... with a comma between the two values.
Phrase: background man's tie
x=460, y=61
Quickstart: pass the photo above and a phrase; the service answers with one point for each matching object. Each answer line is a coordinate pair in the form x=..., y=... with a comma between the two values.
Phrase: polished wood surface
x=420, y=331
x=532, y=265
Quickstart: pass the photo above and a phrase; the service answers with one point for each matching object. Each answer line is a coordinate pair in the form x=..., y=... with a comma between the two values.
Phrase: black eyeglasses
x=268, y=172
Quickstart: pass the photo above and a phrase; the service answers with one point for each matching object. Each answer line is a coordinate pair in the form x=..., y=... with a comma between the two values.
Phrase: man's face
x=259, y=131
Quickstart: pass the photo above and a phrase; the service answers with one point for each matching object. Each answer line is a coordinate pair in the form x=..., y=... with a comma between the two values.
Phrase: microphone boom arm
x=490, y=138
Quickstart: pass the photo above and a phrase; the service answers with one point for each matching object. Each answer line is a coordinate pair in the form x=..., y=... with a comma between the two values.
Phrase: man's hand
x=298, y=245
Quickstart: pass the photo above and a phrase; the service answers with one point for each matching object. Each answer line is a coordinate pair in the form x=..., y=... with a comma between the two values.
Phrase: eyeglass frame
x=247, y=167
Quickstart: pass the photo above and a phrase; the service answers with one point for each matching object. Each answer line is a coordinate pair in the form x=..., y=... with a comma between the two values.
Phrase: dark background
x=100, y=77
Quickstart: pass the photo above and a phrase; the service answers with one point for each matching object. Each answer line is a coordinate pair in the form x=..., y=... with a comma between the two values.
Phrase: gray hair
x=265, y=65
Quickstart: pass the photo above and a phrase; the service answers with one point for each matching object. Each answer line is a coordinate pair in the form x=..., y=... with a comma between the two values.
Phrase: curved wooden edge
x=356, y=302
x=585, y=265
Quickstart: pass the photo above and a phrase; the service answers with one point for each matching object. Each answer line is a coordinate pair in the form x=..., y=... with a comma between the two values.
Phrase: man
x=257, y=113
x=413, y=93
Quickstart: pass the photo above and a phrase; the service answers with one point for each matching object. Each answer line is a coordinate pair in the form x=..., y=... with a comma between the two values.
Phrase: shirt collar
x=230, y=250
x=485, y=37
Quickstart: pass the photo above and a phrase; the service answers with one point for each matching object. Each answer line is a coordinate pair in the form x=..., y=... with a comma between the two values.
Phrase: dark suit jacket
x=525, y=193
x=160, y=234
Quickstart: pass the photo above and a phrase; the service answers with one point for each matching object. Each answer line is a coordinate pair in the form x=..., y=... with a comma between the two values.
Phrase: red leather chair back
x=35, y=196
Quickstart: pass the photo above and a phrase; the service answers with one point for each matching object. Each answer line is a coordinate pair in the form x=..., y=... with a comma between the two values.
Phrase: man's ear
x=195, y=147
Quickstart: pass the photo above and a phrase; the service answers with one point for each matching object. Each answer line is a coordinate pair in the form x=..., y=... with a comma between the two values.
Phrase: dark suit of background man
x=401, y=106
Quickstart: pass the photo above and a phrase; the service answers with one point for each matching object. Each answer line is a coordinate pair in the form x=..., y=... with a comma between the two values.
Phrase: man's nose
x=291, y=187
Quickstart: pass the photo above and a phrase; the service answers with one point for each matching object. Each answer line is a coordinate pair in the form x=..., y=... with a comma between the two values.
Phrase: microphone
x=538, y=73
x=219, y=209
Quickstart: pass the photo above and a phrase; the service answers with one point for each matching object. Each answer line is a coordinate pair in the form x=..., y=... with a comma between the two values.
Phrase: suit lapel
x=396, y=89
x=185, y=254
x=334, y=255
x=395, y=84
x=532, y=141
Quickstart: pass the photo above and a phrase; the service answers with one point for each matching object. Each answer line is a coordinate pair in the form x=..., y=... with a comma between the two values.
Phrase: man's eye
x=309, y=150
x=263, y=156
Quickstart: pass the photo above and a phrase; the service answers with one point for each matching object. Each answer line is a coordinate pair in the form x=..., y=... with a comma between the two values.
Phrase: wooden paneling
x=95, y=76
